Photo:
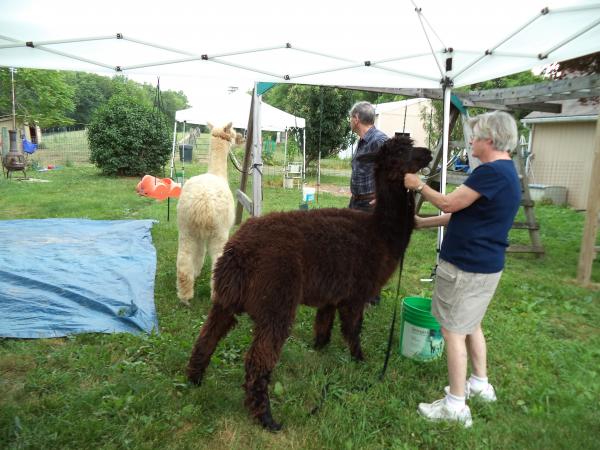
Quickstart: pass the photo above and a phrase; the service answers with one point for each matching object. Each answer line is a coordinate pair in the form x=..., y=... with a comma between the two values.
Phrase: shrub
x=128, y=138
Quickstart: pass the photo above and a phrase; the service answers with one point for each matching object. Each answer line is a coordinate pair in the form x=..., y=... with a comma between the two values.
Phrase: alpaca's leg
x=323, y=325
x=215, y=250
x=351, y=319
x=220, y=320
x=190, y=257
x=199, y=257
x=260, y=361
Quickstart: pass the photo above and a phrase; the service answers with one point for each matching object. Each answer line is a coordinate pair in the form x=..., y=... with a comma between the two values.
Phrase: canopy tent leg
x=172, y=168
x=444, y=169
x=303, y=156
x=256, y=155
x=246, y=166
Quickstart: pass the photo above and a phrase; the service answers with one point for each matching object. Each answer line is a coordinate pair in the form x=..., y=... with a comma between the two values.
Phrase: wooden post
x=530, y=223
x=588, y=243
x=246, y=165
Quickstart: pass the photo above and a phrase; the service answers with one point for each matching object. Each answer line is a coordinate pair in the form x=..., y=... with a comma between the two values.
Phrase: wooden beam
x=588, y=242
x=244, y=200
x=577, y=87
x=435, y=94
x=245, y=166
x=544, y=107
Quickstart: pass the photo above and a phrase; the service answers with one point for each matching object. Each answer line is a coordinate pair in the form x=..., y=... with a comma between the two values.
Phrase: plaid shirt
x=362, y=180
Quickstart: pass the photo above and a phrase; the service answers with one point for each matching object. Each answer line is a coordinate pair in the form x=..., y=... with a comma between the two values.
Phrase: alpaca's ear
x=210, y=126
x=228, y=127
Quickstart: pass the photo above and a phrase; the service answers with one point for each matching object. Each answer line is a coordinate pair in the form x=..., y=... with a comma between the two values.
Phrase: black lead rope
x=388, y=351
x=393, y=324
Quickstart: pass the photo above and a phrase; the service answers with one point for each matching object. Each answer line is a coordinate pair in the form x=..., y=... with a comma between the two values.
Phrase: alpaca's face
x=397, y=156
x=227, y=133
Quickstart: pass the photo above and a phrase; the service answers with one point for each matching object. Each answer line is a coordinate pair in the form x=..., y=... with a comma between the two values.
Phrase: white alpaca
x=205, y=214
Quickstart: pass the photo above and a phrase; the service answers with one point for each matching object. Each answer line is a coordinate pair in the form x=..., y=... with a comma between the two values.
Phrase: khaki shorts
x=460, y=298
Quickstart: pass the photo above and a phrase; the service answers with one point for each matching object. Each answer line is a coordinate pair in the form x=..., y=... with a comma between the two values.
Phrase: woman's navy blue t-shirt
x=477, y=236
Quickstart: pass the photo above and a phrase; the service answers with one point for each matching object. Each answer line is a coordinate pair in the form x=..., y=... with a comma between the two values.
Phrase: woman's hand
x=412, y=181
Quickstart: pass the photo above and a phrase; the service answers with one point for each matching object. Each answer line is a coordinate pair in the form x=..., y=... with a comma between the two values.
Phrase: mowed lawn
x=129, y=391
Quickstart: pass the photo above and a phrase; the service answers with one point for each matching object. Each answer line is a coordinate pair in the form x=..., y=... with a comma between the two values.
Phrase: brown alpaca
x=331, y=259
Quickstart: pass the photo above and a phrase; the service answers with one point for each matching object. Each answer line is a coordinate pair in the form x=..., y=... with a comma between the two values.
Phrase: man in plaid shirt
x=362, y=180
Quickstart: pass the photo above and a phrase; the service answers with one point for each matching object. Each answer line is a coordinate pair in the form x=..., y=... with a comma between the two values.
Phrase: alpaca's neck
x=394, y=216
x=217, y=157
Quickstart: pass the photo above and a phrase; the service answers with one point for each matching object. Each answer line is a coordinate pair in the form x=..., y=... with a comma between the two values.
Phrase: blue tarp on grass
x=67, y=276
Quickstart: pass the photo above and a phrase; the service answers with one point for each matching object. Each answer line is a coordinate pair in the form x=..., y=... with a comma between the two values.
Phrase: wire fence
x=68, y=146
x=62, y=146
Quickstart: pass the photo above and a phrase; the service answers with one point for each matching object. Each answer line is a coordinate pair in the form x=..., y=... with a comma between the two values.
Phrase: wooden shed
x=562, y=148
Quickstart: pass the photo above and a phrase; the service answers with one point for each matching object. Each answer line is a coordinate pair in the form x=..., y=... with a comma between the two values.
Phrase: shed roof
x=573, y=110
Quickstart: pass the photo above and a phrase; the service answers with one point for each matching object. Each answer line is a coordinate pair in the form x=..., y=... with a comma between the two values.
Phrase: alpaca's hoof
x=194, y=377
x=269, y=424
x=358, y=357
x=320, y=343
x=185, y=302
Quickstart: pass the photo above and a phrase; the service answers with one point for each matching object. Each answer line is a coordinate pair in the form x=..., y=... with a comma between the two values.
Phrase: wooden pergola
x=539, y=97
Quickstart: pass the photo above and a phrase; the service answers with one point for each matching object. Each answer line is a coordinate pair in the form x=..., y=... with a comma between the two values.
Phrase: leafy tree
x=326, y=114
x=433, y=124
x=91, y=91
x=172, y=101
x=43, y=96
x=584, y=65
x=127, y=137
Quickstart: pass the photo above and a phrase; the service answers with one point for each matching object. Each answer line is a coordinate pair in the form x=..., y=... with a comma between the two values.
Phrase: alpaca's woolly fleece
x=205, y=214
x=331, y=259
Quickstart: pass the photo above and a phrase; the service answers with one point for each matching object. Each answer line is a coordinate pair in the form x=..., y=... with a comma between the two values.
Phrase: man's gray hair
x=364, y=111
x=498, y=126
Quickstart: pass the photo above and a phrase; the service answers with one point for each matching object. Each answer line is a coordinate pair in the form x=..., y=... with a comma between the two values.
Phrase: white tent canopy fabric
x=406, y=43
x=235, y=108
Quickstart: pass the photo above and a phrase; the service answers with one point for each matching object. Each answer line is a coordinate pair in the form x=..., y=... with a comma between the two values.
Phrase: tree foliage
x=56, y=98
x=90, y=91
x=326, y=112
x=43, y=96
x=433, y=123
x=128, y=137
x=584, y=65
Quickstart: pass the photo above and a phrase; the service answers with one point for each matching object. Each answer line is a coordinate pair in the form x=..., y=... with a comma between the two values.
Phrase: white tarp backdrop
x=235, y=107
x=388, y=44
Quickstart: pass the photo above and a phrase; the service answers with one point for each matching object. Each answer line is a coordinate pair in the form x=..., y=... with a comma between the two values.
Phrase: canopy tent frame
x=451, y=77
x=439, y=54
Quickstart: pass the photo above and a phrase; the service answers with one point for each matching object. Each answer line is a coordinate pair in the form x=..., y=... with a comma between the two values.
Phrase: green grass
x=124, y=391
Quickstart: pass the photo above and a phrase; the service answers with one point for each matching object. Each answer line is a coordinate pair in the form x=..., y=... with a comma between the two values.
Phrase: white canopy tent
x=401, y=44
x=236, y=108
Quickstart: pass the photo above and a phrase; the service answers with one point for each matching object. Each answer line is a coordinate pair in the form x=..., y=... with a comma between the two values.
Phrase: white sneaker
x=438, y=410
x=487, y=394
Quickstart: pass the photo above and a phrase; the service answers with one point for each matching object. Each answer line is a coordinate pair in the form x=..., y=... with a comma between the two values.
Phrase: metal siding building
x=562, y=148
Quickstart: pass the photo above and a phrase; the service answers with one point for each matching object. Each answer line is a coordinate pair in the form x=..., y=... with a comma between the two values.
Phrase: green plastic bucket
x=420, y=334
